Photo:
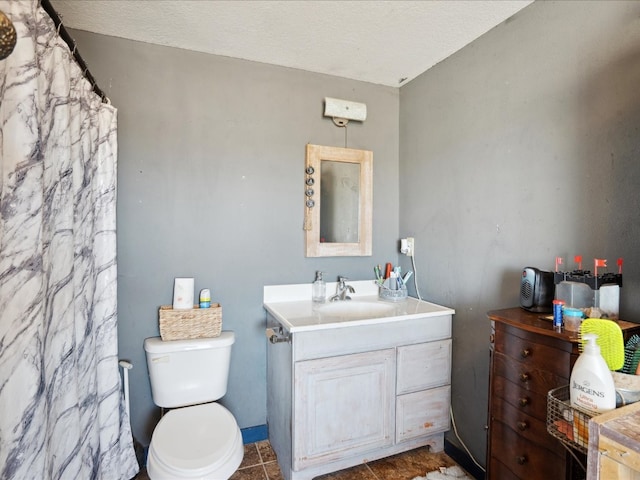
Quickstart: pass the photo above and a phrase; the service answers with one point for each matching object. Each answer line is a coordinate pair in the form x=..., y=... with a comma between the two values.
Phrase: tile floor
x=404, y=466
x=260, y=463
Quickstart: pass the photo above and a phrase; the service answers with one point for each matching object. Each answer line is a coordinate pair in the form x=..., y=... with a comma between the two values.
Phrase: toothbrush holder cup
x=389, y=295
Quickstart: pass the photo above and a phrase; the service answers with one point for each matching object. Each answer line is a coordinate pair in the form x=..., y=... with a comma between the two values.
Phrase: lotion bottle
x=591, y=384
x=318, y=289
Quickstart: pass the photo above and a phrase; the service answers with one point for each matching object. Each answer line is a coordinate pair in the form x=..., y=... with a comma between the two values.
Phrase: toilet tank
x=188, y=372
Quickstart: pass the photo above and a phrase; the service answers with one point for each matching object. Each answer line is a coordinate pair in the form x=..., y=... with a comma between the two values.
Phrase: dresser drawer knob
x=521, y=460
x=524, y=377
x=525, y=353
x=523, y=426
x=524, y=401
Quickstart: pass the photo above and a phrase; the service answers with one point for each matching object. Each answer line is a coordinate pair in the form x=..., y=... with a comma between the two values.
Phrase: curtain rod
x=46, y=5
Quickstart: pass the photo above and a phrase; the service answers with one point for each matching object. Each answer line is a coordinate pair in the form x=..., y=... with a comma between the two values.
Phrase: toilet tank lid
x=157, y=345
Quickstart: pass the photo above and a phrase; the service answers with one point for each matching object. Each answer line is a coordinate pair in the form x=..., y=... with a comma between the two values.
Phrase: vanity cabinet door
x=343, y=405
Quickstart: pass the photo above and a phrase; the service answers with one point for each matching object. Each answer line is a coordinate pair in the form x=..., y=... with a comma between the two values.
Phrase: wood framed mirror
x=338, y=201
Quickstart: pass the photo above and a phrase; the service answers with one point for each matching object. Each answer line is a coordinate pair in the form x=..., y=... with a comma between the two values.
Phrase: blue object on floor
x=254, y=434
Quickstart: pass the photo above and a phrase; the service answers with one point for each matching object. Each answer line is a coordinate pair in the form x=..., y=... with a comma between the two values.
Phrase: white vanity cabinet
x=342, y=394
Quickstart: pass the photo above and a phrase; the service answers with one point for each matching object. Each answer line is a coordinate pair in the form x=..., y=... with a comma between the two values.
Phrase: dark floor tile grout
x=259, y=454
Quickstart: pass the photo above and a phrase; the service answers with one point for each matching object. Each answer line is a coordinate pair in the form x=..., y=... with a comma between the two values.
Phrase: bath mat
x=446, y=473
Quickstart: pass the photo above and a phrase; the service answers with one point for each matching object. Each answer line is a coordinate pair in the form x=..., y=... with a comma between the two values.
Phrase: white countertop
x=291, y=306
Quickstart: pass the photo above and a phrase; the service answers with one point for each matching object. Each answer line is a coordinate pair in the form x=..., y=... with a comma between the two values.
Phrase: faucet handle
x=342, y=279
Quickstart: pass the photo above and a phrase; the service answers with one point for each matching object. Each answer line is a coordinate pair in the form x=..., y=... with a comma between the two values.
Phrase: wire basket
x=568, y=424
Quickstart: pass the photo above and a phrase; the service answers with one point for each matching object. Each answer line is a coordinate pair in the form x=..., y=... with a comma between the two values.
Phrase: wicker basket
x=568, y=424
x=191, y=323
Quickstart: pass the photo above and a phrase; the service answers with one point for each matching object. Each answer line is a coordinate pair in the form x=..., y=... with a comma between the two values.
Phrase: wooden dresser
x=528, y=358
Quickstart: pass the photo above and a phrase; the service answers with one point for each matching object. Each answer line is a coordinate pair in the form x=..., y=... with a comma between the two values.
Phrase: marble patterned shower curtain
x=62, y=412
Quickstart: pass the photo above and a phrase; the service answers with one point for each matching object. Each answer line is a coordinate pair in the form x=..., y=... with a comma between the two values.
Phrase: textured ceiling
x=382, y=42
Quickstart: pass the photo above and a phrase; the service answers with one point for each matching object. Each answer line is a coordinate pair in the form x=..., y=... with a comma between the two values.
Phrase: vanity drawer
x=531, y=349
x=331, y=342
x=424, y=365
x=523, y=458
x=527, y=375
x=422, y=413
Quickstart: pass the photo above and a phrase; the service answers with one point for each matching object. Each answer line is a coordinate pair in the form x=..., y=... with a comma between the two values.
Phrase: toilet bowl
x=199, y=442
x=197, y=438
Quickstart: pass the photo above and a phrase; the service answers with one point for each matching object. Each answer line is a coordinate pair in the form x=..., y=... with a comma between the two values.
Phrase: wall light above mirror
x=341, y=111
x=338, y=201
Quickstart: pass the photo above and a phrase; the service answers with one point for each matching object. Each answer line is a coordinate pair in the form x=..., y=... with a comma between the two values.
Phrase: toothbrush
x=376, y=270
x=398, y=271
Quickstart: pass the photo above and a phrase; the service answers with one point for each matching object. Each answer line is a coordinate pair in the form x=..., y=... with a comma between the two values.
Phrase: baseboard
x=254, y=434
x=463, y=459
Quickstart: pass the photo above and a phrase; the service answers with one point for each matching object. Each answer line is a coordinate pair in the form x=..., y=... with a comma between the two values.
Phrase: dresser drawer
x=523, y=458
x=529, y=351
x=526, y=347
x=499, y=470
x=531, y=403
x=422, y=413
x=532, y=428
x=423, y=366
x=527, y=375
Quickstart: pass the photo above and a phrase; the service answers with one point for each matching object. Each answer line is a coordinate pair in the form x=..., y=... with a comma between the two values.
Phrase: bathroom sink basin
x=355, y=309
x=291, y=306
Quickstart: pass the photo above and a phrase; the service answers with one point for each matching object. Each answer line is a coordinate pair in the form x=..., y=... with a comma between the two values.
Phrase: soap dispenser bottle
x=591, y=384
x=318, y=289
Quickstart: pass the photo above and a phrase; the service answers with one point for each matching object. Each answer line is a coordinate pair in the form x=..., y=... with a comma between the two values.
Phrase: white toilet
x=199, y=440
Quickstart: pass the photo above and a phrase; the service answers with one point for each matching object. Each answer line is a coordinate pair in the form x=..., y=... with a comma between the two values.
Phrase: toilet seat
x=198, y=442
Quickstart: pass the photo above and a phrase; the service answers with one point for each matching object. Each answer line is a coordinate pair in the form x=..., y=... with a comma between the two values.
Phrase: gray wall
x=211, y=185
x=521, y=147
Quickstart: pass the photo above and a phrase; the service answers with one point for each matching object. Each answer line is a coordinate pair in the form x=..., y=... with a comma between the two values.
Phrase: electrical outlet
x=406, y=246
x=410, y=246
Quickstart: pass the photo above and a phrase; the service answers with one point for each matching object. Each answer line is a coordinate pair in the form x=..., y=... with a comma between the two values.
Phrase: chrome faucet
x=341, y=290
